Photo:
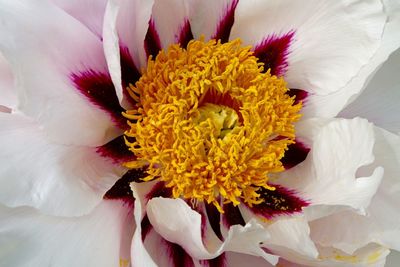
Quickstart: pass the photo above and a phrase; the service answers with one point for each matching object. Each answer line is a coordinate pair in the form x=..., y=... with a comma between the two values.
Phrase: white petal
x=131, y=26
x=371, y=255
x=8, y=95
x=331, y=105
x=349, y=231
x=44, y=45
x=112, y=47
x=183, y=227
x=239, y=260
x=88, y=12
x=139, y=255
x=168, y=25
x=291, y=236
x=332, y=39
x=205, y=16
x=328, y=175
x=379, y=102
x=57, y=179
x=29, y=238
x=384, y=207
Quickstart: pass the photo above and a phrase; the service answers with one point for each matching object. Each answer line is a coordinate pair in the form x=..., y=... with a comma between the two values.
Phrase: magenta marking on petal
x=98, y=88
x=159, y=190
x=232, y=215
x=185, y=34
x=225, y=24
x=281, y=201
x=295, y=154
x=146, y=227
x=299, y=94
x=121, y=189
x=214, y=218
x=178, y=256
x=219, y=261
x=273, y=52
x=152, y=43
x=116, y=150
x=129, y=72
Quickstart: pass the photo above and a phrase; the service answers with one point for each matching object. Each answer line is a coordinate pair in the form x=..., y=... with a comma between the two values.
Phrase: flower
x=205, y=133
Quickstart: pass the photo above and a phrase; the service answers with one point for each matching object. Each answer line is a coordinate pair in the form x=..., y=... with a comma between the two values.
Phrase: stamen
x=207, y=120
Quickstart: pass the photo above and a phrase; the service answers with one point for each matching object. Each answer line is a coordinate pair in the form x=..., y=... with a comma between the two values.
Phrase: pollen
x=210, y=122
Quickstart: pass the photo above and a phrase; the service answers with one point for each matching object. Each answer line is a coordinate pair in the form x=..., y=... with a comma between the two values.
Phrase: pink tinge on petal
x=152, y=43
x=281, y=201
x=185, y=34
x=116, y=150
x=232, y=215
x=225, y=24
x=299, y=95
x=273, y=51
x=179, y=257
x=121, y=189
x=219, y=261
x=98, y=88
x=295, y=154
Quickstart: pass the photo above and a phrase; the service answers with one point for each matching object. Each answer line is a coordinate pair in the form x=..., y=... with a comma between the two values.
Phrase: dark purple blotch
x=185, y=34
x=214, y=218
x=116, y=150
x=295, y=154
x=178, y=256
x=129, y=72
x=159, y=190
x=273, y=51
x=224, y=26
x=232, y=215
x=281, y=201
x=99, y=89
x=299, y=95
x=152, y=43
x=122, y=189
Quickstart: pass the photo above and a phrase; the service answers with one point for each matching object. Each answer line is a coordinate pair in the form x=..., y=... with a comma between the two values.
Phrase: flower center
x=210, y=122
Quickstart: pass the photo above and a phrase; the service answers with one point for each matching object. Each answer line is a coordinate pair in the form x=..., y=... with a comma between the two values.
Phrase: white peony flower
x=198, y=133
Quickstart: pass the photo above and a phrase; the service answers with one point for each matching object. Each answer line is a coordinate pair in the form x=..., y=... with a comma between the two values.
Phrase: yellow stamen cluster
x=202, y=149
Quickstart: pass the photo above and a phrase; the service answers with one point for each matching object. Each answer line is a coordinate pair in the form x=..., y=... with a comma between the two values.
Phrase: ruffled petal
x=379, y=102
x=29, y=238
x=331, y=105
x=329, y=176
x=371, y=255
x=184, y=228
x=45, y=46
x=349, y=231
x=57, y=179
x=330, y=41
x=8, y=95
x=88, y=12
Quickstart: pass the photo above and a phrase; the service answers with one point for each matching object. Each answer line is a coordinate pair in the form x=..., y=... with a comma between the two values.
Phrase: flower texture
x=198, y=133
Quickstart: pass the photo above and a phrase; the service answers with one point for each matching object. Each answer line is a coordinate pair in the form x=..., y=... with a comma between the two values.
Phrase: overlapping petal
x=348, y=178
x=44, y=46
x=29, y=238
x=57, y=179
